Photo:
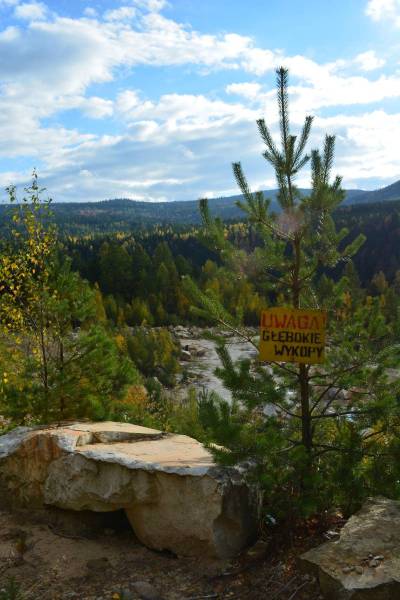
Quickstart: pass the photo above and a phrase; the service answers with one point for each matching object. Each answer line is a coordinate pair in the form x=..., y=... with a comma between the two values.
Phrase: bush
x=155, y=353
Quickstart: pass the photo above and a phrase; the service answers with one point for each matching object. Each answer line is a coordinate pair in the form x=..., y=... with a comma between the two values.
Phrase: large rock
x=364, y=563
x=174, y=495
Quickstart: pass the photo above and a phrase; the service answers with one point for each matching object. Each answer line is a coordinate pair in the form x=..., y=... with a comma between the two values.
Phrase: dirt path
x=50, y=564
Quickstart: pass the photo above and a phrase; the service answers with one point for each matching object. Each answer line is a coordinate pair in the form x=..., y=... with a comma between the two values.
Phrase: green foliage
x=143, y=298
x=56, y=362
x=61, y=371
x=116, y=269
x=155, y=353
x=315, y=434
x=159, y=408
x=26, y=259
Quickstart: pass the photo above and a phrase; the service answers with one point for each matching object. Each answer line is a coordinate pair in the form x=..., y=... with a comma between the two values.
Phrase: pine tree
x=295, y=420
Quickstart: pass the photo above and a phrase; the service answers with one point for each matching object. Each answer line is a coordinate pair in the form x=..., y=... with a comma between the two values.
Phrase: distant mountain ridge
x=353, y=196
x=125, y=214
x=389, y=192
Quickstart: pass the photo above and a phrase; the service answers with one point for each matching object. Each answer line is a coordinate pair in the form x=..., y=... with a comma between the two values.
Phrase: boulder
x=174, y=495
x=364, y=562
x=182, y=332
x=185, y=355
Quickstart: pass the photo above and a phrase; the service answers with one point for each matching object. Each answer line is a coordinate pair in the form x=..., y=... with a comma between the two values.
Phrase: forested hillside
x=140, y=274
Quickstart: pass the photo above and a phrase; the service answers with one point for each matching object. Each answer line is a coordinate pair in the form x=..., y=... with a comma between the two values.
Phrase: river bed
x=201, y=366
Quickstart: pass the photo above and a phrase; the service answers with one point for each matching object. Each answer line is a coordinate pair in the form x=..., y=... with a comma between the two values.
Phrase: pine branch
x=282, y=366
x=254, y=203
x=341, y=371
x=326, y=415
x=267, y=139
x=282, y=77
x=305, y=134
x=290, y=152
x=316, y=169
x=329, y=150
x=242, y=183
x=302, y=162
x=205, y=212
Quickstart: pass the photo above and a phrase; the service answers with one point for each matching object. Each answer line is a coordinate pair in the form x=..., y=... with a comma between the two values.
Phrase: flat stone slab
x=177, y=454
x=108, y=432
x=174, y=494
x=364, y=563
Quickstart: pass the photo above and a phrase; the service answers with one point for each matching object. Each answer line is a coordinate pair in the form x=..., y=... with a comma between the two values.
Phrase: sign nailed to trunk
x=292, y=335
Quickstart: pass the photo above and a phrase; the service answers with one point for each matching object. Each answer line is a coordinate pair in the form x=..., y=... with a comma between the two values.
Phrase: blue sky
x=153, y=100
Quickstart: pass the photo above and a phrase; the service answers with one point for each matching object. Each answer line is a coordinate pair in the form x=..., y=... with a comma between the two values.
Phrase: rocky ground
x=49, y=563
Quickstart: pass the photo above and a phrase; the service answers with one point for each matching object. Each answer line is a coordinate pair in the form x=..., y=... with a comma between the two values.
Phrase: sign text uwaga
x=292, y=335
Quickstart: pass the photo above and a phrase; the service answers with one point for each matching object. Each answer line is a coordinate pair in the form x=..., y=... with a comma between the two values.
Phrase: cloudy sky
x=153, y=100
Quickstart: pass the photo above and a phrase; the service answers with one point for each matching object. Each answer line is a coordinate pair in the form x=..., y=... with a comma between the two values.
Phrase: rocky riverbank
x=199, y=358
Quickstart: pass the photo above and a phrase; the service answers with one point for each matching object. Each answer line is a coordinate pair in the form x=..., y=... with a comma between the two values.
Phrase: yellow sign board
x=292, y=335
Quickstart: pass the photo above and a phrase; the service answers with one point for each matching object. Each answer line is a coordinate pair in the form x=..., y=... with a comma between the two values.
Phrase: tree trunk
x=62, y=399
x=45, y=372
x=306, y=430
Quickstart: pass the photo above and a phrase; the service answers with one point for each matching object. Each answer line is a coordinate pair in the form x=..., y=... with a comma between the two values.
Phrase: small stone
x=374, y=563
x=379, y=557
x=347, y=569
x=257, y=551
x=332, y=534
x=146, y=591
x=359, y=570
x=98, y=564
x=185, y=355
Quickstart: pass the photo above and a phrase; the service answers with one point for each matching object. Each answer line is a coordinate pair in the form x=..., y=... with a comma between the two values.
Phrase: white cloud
x=381, y=9
x=321, y=86
x=9, y=34
x=90, y=12
x=126, y=102
x=369, y=61
x=31, y=11
x=97, y=108
x=259, y=61
x=120, y=14
x=384, y=10
x=247, y=90
x=367, y=144
x=151, y=5
x=180, y=114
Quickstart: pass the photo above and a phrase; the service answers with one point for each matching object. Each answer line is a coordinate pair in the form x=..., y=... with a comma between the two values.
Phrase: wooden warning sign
x=292, y=335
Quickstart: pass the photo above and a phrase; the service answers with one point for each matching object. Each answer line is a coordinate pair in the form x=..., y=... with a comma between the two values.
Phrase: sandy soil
x=51, y=561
